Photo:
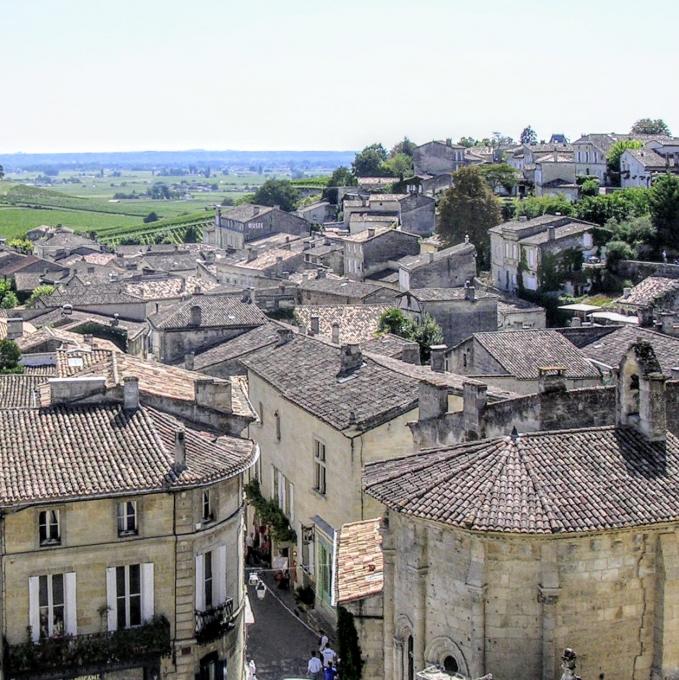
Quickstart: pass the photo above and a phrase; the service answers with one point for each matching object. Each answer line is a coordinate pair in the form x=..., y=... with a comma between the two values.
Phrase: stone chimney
x=371, y=232
x=255, y=210
x=314, y=325
x=432, y=400
x=115, y=321
x=15, y=328
x=321, y=274
x=429, y=257
x=551, y=379
x=189, y=358
x=474, y=399
x=213, y=394
x=576, y=322
x=251, y=254
x=641, y=392
x=179, y=450
x=523, y=218
x=470, y=292
x=551, y=233
x=335, y=332
x=438, y=358
x=284, y=336
x=67, y=309
x=411, y=354
x=351, y=359
x=675, y=372
x=88, y=339
x=669, y=323
x=196, y=315
x=449, y=141
x=626, y=292
x=130, y=392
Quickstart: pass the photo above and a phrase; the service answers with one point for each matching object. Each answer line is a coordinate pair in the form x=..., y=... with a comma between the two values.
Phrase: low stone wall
x=637, y=270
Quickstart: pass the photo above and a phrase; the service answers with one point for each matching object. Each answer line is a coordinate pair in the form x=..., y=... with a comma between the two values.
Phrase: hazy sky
x=99, y=75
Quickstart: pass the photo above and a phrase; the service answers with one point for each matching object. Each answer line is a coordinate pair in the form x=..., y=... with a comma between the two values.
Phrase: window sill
x=50, y=543
x=128, y=534
x=318, y=493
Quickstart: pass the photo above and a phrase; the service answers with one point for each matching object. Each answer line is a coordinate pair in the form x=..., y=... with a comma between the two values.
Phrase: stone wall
x=444, y=272
x=637, y=270
x=391, y=245
x=460, y=318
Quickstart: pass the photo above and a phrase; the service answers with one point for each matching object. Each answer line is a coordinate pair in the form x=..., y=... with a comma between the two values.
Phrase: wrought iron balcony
x=90, y=654
x=214, y=623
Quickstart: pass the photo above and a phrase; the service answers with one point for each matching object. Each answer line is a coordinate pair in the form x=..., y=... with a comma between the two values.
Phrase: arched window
x=450, y=665
x=410, y=659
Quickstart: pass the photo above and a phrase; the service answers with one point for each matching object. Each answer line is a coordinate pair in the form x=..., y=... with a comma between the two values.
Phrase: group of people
x=258, y=548
x=322, y=664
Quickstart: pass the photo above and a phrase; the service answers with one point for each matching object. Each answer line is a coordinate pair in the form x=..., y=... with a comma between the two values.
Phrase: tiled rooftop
x=360, y=562
x=411, y=262
x=543, y=482
x=650, y=291
x=19, y=391
x=356, y=322
x=521, y=353
x=216, y=310
x=61, y=453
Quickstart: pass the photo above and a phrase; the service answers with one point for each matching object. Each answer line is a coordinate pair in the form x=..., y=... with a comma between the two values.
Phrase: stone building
x=235, y=227
x=458, y=311
x=649, y=298
x=123, y=530
x=512, y=359
x=199, y=323
x=438, y=157
x=499, y=553
x=333, y=291
x=373, y=250
x=447, y=268
x=522, y=248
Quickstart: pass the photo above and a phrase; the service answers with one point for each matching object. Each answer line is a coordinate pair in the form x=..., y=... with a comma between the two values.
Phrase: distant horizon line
x=194, y=150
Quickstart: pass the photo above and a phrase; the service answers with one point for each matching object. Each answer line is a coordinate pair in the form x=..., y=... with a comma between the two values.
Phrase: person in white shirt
x=322, y=642
x=328, y=655
x=314, y=667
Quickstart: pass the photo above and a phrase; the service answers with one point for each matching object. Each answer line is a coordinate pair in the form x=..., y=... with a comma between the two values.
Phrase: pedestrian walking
x=322, y=641
x=252, y=670
x=329, y=673
x=314, y=667
x=329, y=656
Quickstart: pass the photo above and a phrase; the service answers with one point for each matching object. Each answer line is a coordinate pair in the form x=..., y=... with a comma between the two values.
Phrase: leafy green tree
x=468, y=142
x=664, y=208
x=528, y=136
x=469, y=207
x=278, y=192
x=616, y=251
x=9, y=357
x=638, y=232
x=405, y=146
x=394, y=321
x=499, y=175
x=499, y=139
x=370, y=162
x=650, y=126
x=342, y=177
x=616, y=151
x=7, y=297
x=21, y=244
x=228, y=201
x=620, y=205
x=400, y=165
x=151, y=217
x=245, y=198
x=39, y=291
x=590, y=187
x=535, y=206
x=427, y=333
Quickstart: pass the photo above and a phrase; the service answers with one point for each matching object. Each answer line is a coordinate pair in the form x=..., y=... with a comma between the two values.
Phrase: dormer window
x=207, y=511
x=127, y=518
x=49, y=528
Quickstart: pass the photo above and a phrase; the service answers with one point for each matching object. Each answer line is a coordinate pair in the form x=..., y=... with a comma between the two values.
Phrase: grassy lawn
x=16, y=221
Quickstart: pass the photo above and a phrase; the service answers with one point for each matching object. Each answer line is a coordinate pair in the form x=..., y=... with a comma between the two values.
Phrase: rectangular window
x=324, y=571
x=50, y=530
x=207, y=581
x=128, y=595
x=319, y=467
x=127, y=518
x=51, y=605
x=207, y=513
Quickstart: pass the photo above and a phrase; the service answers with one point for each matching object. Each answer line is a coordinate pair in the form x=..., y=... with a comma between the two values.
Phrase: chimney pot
x=130, y=392
x=626, y=292
x=15, y=328
x=551, y=233
x=351, y=359
x=196, y=315
x=551, y=379
x=284, y=335
x=335, y=333
x=410, y=354
x=188, y=360
x=438, y=358
x=213, y=394
x=470, y=293
x=371, y=232
x=675, y=372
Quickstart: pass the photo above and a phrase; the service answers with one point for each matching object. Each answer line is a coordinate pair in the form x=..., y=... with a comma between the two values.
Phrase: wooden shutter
x=220, y=574
x=34, y=607
x=147, y=591
x=71, y=610
x=200, y=583
x=111, y=599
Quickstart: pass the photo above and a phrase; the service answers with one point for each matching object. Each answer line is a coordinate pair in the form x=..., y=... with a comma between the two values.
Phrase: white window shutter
x=220, y=573
x=200, y=583
x=71, y=613
x=34, y=607
x=111, y=600
x=147, y=591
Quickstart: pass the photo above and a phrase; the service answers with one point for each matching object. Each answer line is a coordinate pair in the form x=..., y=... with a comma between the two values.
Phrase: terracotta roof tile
x=360, y=562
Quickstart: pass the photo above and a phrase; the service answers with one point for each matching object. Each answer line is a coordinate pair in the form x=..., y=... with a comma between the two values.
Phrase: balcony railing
x=214, y=623
x=90, y=654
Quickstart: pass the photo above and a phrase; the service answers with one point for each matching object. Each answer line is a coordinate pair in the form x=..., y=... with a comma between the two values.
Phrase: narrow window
x=207, y=584
x=50, y=531
x=127, y=518
x=277, y=418
x=208, y=514
x=319, y=467
x=51, y=605
x=128, y=595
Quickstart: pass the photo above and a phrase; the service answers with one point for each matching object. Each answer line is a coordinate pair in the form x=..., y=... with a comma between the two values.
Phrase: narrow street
x=278, y=641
